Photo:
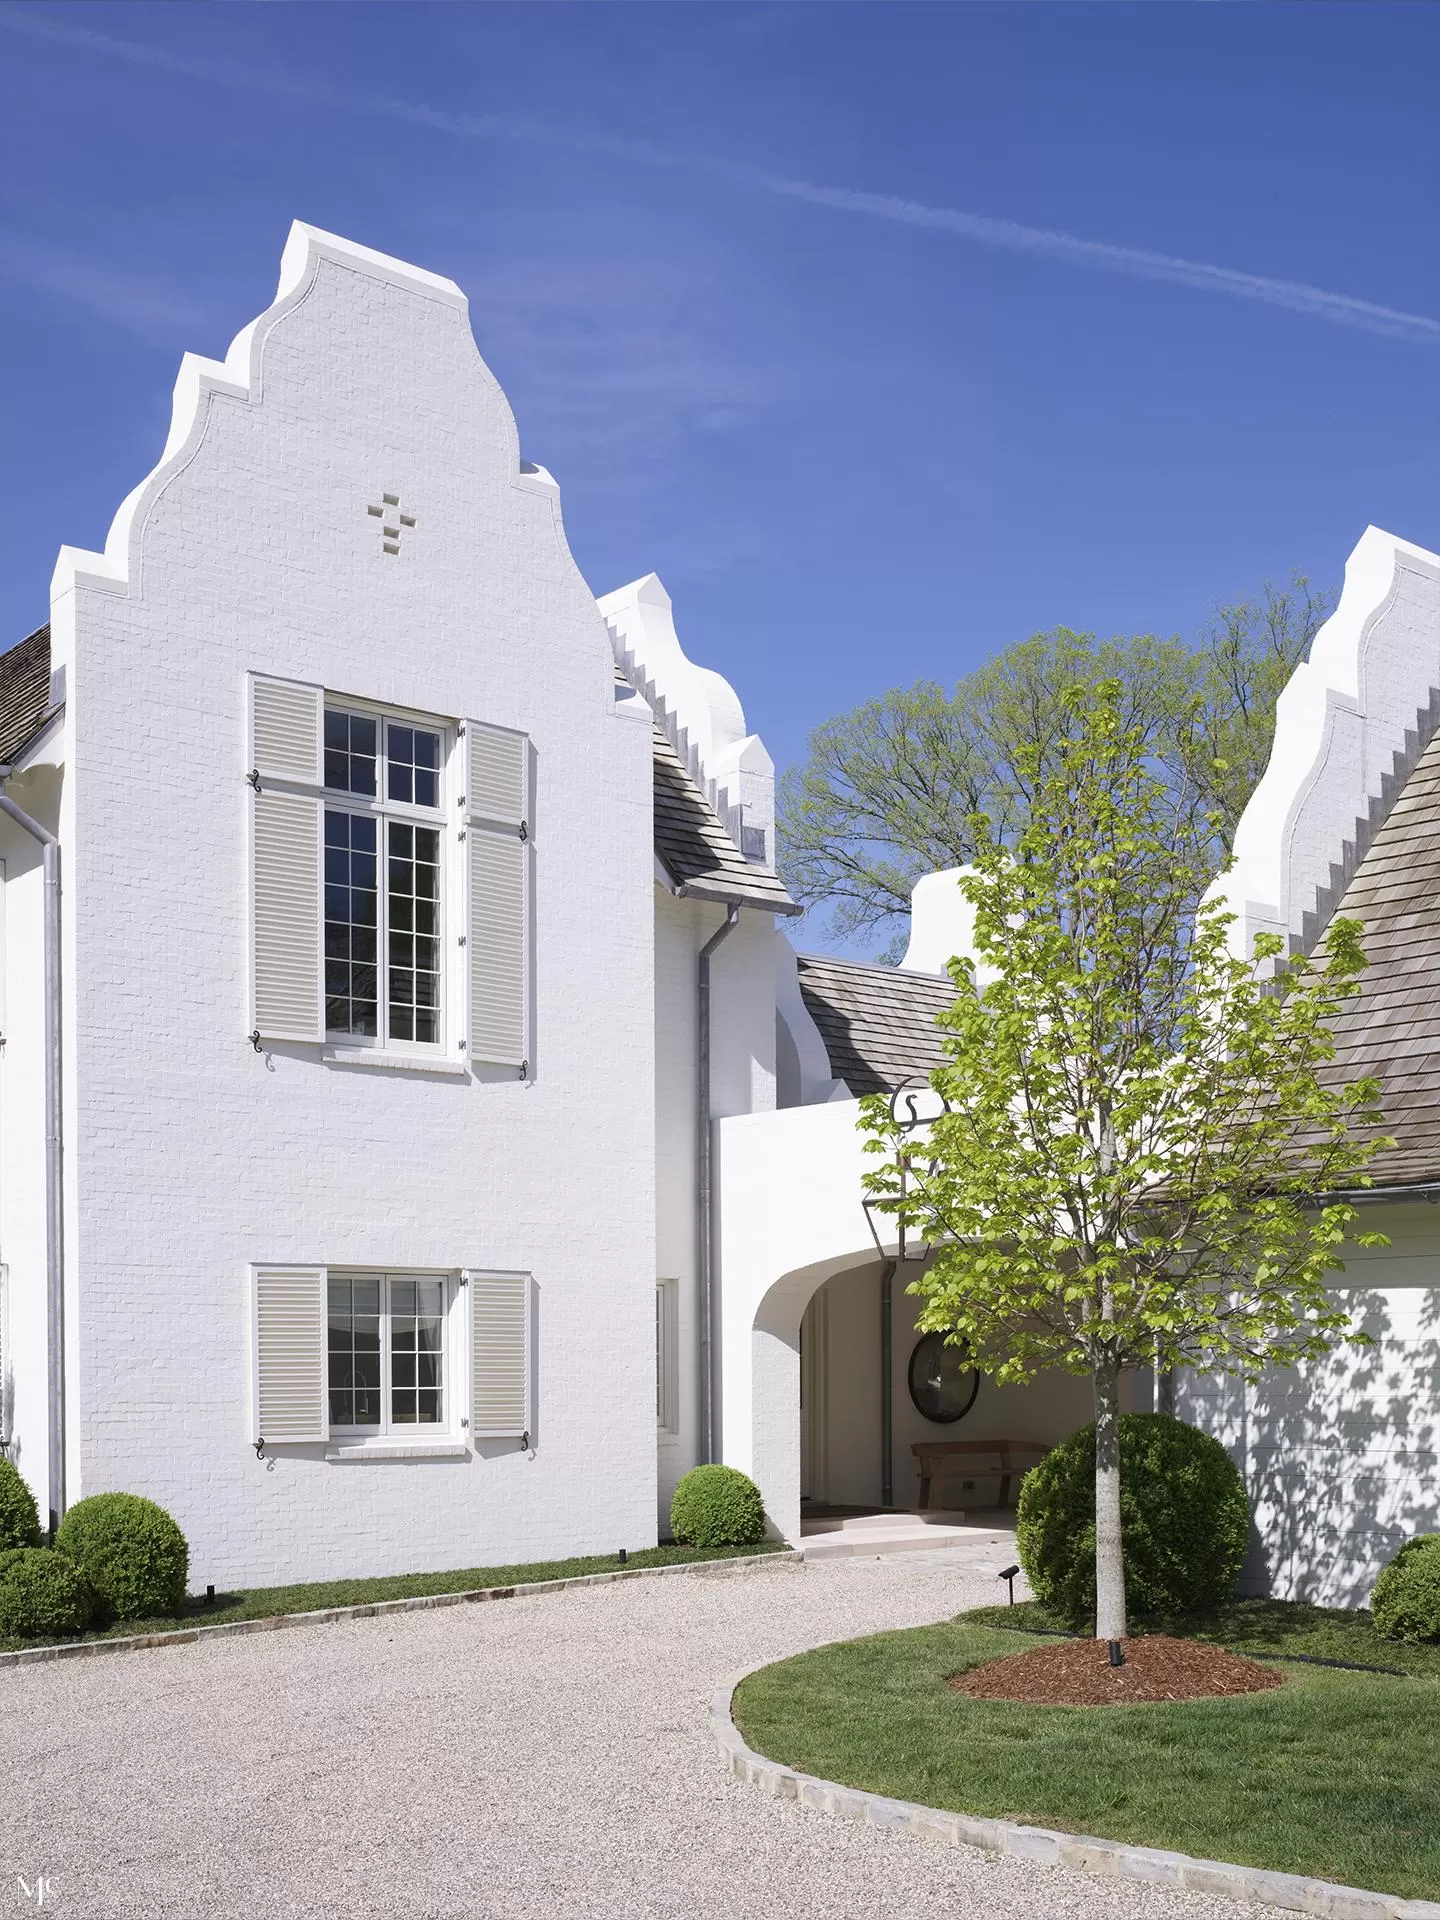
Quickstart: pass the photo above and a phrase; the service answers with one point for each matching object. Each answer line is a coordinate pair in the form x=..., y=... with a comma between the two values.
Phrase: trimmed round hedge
x=1406, y=1602
x=19, y=1518
x=43, y=1595
x=131, y=1552
x=1184, y=1517
x=717, y=1507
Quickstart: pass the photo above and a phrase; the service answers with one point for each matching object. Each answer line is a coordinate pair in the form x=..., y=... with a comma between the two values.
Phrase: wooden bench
x=937, y=1456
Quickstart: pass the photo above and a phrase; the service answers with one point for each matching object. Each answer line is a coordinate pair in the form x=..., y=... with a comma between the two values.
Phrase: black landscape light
x=622, y=1556
x=1008, y=1574
x=1117, y=1654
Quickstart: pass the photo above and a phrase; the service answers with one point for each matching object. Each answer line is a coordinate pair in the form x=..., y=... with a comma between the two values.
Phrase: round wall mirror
x=943, y=1385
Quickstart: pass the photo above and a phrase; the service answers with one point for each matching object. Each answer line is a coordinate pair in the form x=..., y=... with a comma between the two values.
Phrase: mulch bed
x=1077, y=1673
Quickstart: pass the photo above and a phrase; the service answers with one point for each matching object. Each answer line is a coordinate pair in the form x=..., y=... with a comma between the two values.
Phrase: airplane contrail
x=1138, y=263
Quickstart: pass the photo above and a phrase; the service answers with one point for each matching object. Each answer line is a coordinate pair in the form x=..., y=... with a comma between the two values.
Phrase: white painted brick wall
x=189, y=1155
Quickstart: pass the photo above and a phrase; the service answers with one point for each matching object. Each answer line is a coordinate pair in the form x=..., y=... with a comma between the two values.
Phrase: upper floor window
x=383, y=888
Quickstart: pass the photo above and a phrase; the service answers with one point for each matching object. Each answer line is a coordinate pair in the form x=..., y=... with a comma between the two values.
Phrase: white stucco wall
x=742, y=1080
x=788, y=1219
x=190, y=1154
x=1342, y=1456
x=22, y=1136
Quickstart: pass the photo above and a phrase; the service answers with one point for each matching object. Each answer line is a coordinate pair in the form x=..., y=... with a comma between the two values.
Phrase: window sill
x=388, y=1061
x=437, y=1449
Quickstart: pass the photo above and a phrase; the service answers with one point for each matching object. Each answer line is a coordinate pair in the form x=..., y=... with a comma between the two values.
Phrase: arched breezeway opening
x=793, y=1237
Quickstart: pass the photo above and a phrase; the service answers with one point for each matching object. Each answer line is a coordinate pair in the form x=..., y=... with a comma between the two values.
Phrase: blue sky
x=745, y=274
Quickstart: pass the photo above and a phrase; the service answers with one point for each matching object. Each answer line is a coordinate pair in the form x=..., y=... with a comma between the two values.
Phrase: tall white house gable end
x=359, y=1121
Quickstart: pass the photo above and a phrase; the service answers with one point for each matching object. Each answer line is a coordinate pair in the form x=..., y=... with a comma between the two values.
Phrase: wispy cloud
x=1137, y=263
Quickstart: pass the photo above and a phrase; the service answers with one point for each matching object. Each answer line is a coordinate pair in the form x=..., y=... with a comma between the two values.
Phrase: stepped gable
x=24, y=691
x=878, y=1023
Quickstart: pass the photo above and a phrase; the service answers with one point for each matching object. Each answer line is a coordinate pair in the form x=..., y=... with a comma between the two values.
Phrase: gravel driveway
x=539, y=1758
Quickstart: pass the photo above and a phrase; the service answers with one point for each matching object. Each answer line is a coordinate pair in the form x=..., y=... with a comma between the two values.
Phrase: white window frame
x=454, y=1383
x=452, y=900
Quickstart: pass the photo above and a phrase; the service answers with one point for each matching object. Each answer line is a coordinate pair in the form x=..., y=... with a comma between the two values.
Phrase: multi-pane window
x=382, y=879
x=387, y=1351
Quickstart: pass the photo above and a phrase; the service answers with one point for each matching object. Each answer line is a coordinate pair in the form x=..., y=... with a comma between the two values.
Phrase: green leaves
x=1145, y=1134
x=894, y=789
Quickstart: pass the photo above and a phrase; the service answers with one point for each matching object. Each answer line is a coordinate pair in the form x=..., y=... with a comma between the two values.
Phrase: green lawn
x=264, y=1603
x=1333, y=1774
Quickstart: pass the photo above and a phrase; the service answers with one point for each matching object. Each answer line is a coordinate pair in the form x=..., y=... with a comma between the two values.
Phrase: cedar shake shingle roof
x=24, y=691
x=1392, y=1027
x=694, y=848
x=878, y=1023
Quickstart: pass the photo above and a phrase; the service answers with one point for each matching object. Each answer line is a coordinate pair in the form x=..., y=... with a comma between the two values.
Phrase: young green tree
x=1142, y=1130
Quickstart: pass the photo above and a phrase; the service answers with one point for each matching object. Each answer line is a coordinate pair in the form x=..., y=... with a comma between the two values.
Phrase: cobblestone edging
x=1110, y=1858
x=184, y=1636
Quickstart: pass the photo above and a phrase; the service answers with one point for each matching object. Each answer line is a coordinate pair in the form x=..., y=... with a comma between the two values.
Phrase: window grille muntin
x=389, y=1351
x=398, y=997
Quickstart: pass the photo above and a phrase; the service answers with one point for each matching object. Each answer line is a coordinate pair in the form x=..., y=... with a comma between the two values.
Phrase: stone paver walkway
x=529, y=1760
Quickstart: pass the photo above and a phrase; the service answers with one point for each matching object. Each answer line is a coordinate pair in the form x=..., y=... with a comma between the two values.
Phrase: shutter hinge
x=460, y=1046
x=464, y=1422
x=464, y=1279
x=461, y=803
x=462, y=833
x=461, y=941
x=253, y=778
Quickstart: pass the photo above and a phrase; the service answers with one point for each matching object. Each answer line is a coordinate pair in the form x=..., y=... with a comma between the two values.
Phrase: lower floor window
x=387, y=1351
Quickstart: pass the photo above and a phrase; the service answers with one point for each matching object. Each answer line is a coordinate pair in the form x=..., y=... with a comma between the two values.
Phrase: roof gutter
x=1426, y=1190
x=54, y=1149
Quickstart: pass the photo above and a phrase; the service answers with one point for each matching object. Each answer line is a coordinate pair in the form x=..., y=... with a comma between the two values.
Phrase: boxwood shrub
x=131, y=1552
x=1184, y=1517
x=43, y=1595
x=717, y=1507
x=19, y=1520
x=1406, y=1602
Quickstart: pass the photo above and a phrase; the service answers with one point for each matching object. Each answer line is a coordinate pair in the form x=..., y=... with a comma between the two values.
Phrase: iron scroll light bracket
x=907, y=1096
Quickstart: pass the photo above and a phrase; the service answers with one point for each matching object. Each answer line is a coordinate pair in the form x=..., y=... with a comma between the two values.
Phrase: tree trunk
x=1109, y=1563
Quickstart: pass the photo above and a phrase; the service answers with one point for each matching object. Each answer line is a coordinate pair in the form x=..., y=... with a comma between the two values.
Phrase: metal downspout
x=54, y=1163
x=703, y=1247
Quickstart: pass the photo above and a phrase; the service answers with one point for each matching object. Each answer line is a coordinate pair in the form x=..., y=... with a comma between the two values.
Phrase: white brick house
x=419, y=1141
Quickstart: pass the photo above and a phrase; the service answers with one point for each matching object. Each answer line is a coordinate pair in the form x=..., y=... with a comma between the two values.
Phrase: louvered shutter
x=501, y=843
x=287, y=719
x=286, y=998
x=288, y=1354
x=501, y=1323
x=498, y=775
